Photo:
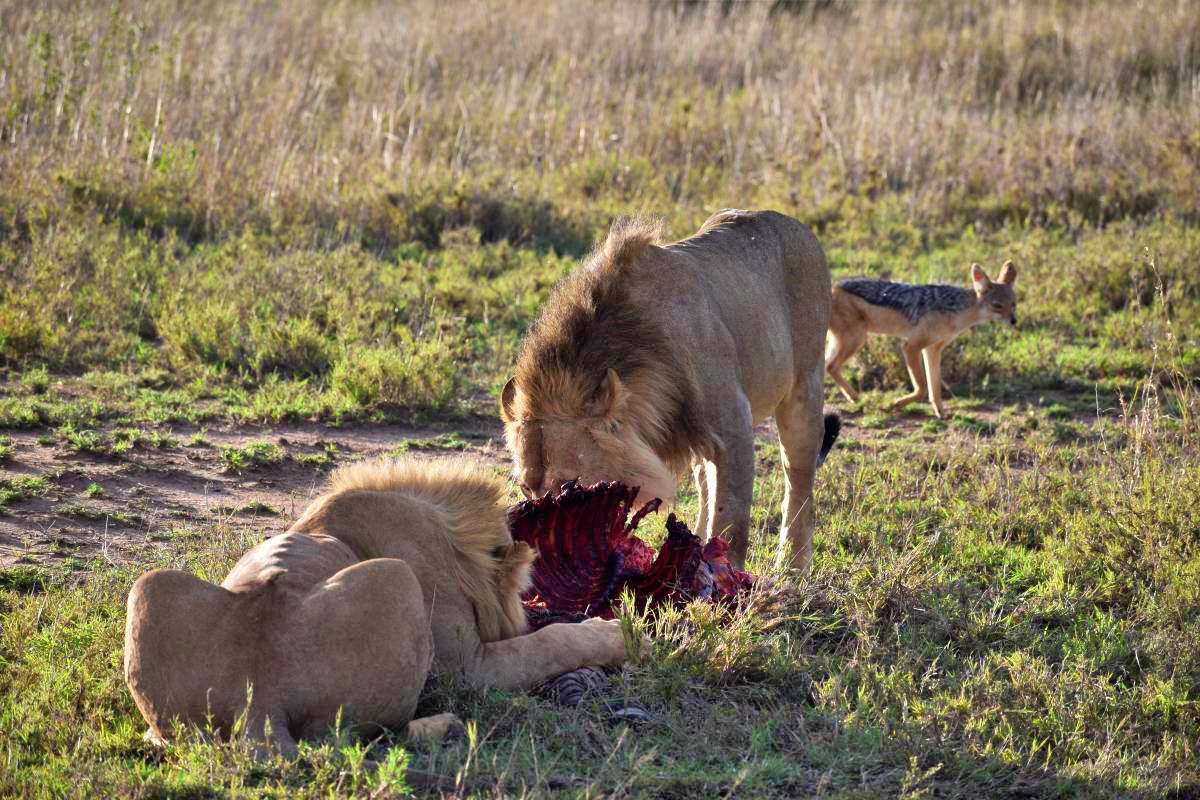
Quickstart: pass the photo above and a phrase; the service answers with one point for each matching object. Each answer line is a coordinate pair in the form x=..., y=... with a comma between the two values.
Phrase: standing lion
x=653, y=358
x=403, y=567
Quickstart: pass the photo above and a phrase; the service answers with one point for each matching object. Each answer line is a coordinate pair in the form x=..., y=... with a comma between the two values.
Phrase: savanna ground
x=241, y=243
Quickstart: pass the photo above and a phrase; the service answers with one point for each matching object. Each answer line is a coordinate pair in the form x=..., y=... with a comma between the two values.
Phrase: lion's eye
x=499, y=552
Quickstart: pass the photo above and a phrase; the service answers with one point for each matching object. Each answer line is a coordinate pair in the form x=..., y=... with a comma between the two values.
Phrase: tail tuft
x=833, y=426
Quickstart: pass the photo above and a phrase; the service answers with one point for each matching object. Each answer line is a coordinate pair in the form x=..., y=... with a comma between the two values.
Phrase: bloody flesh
x=588, y=555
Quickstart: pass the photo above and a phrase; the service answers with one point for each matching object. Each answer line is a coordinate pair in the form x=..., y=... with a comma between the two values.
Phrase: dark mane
x=594, y=322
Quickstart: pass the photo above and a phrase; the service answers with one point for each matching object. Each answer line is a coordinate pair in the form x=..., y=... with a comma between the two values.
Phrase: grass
x=21, y=487
x=381, y=260
x=993, y=615
x=255, y=454
x=326, y=457
x=453, y=442
x=351, y=214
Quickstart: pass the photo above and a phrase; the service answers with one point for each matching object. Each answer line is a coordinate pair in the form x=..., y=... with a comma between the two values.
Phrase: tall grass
x=194, y=115
x=260, y=201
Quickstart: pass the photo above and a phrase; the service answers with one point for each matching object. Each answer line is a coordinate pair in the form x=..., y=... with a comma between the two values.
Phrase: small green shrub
x=256, y=454
x=419, y=373
x=21, y=487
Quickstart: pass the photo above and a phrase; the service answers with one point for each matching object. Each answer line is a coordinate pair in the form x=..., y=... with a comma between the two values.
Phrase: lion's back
x=761, y=272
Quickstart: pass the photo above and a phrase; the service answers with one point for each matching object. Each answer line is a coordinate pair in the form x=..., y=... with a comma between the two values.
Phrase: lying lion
x=401, y=567
x=653, y=358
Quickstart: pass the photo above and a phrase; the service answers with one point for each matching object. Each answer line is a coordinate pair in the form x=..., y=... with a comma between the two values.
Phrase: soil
x=149, y=494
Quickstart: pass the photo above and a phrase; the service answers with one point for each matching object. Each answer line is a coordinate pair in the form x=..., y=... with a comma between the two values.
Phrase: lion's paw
x=439, y=727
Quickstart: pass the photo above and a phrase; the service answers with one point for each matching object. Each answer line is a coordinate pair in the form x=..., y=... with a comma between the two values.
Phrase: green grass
x=325, y=457
x=20, y=487
x=452, y=442
x=296, y=277
x=987, y=616
x=255, y=454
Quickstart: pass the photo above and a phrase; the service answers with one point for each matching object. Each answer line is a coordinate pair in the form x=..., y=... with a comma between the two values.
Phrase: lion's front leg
x=524, y=662
x=731, y=489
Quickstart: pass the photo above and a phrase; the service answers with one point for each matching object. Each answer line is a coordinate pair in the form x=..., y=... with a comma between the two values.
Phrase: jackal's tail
x=833, y=426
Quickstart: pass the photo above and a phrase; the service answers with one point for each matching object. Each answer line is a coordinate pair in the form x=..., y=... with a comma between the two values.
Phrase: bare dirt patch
x=114, y=505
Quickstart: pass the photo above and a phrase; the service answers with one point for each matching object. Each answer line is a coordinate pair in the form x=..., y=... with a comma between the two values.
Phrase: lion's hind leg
x=175, y=623
x=357, y=650
x=801, y=424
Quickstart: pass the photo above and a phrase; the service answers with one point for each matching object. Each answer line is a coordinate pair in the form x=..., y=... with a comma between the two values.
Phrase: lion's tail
x=833, y=426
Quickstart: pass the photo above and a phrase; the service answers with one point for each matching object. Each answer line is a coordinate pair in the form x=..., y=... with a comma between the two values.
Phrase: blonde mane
x=469, y=505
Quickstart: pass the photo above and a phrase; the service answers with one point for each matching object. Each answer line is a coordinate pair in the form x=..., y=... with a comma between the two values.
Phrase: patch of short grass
x=126, y=439
x=94, y=514
x=443, y=441
x=250, y=456
x=21, y=487
x=325, y=456
x=36, y=380
x=977, y=619
x=23, y=579
x=83, y=441
x=198, y=439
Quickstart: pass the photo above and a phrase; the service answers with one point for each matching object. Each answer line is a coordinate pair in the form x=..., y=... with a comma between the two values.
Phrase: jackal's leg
x=801, y=427
x=912, y=359
x=842, y=347
x=933, y=369
x=703, y=517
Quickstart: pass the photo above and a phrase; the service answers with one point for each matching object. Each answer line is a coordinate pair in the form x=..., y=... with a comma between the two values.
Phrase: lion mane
x=465, y=501
x=595, y=321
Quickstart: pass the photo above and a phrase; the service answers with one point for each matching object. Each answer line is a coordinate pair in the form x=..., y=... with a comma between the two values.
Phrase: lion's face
x=589, y=448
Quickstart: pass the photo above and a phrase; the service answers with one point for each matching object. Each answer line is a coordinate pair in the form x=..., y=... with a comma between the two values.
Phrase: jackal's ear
x=1008, y=273
x=980, y=279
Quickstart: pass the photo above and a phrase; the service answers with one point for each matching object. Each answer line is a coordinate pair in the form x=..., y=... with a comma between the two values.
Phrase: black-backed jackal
x=927, y=317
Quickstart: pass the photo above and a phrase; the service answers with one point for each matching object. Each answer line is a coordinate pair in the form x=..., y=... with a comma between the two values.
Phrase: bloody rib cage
x=588, y=556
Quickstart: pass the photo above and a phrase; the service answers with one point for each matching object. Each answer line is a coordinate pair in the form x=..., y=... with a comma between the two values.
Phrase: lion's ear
x=508, y=396
x=610, y=396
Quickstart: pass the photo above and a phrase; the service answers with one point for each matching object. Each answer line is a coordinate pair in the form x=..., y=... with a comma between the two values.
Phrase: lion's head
x=599, y=392
x=597, y=443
